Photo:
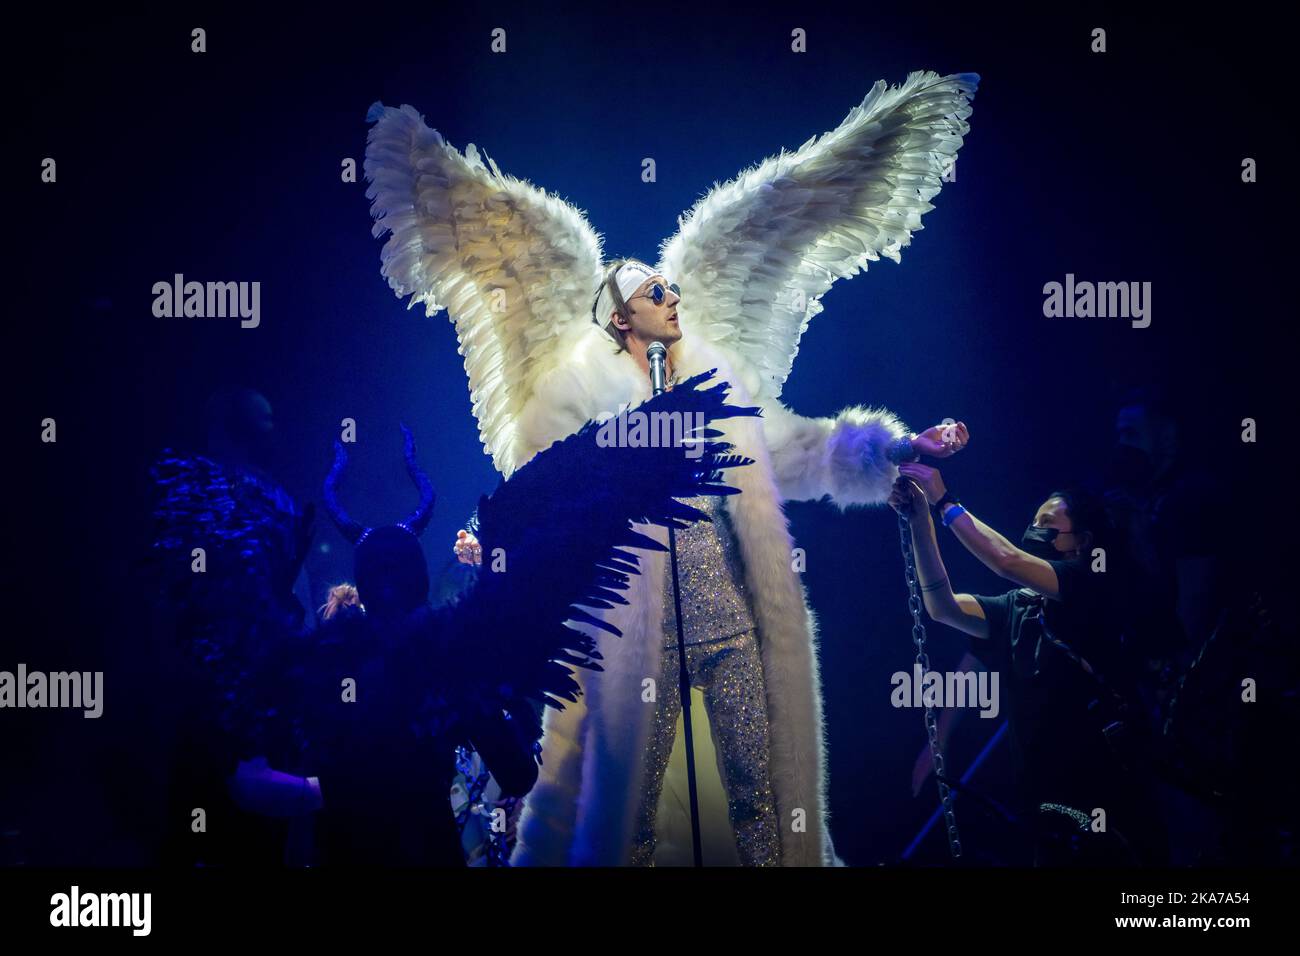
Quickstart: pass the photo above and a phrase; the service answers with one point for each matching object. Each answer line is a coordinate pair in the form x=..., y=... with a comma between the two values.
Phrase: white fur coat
x=582, y=810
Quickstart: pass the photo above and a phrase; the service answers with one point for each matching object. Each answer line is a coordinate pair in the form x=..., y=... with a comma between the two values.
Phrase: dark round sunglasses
x=657, y=294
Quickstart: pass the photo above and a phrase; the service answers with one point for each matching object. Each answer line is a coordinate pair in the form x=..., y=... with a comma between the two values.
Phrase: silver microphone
x=656, y=354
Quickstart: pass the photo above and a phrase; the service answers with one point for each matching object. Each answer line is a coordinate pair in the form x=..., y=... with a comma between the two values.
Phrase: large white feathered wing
x=754, y=256
x=513, y=266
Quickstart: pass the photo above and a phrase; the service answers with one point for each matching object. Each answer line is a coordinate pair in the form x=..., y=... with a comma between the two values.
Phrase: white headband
x=629, y=277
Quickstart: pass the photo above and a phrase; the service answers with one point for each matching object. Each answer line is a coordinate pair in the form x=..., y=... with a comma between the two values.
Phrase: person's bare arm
x=992, y=549
x=960, y=611
x=1004, y=558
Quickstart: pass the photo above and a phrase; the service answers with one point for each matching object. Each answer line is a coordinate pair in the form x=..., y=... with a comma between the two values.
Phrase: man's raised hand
x=467, y=548
x=942, y=440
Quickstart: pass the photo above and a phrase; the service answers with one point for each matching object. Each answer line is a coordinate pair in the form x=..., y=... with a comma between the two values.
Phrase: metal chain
x=923, y=662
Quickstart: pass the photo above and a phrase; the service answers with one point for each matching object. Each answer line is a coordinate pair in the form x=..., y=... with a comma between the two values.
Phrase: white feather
x=461, y=231
x=754, y=256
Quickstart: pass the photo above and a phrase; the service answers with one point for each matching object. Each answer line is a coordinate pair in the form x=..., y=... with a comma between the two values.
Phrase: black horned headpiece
x=415, y=522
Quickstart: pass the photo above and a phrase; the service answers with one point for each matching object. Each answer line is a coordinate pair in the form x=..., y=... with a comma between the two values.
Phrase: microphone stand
x=683, y=673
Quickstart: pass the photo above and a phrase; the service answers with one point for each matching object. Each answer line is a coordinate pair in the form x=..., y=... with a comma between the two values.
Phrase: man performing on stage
x=516, y=269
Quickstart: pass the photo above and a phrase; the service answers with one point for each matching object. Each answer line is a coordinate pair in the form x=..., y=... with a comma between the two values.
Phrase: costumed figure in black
x=228, y=543
x=378, y=699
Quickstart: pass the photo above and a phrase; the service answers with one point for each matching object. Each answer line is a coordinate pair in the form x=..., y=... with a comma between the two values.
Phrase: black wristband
x=902, y=450
x=948, y=499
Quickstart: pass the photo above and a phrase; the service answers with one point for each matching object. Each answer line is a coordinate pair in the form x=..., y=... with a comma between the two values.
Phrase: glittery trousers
x=729, y=670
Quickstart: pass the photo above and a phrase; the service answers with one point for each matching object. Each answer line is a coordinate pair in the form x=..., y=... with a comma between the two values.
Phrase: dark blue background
x=226, y=166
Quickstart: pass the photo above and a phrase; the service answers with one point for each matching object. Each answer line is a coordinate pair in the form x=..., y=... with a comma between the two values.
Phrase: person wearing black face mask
x=1054, y=641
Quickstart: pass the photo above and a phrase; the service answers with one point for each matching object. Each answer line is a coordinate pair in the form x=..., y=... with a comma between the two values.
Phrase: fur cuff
x=860, y=470
x=845, y=457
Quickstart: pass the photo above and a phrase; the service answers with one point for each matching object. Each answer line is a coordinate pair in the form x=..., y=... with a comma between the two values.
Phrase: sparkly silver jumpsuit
x=722, y=655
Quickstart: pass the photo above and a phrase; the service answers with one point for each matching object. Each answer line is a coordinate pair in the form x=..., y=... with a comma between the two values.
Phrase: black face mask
x=1039, y=542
